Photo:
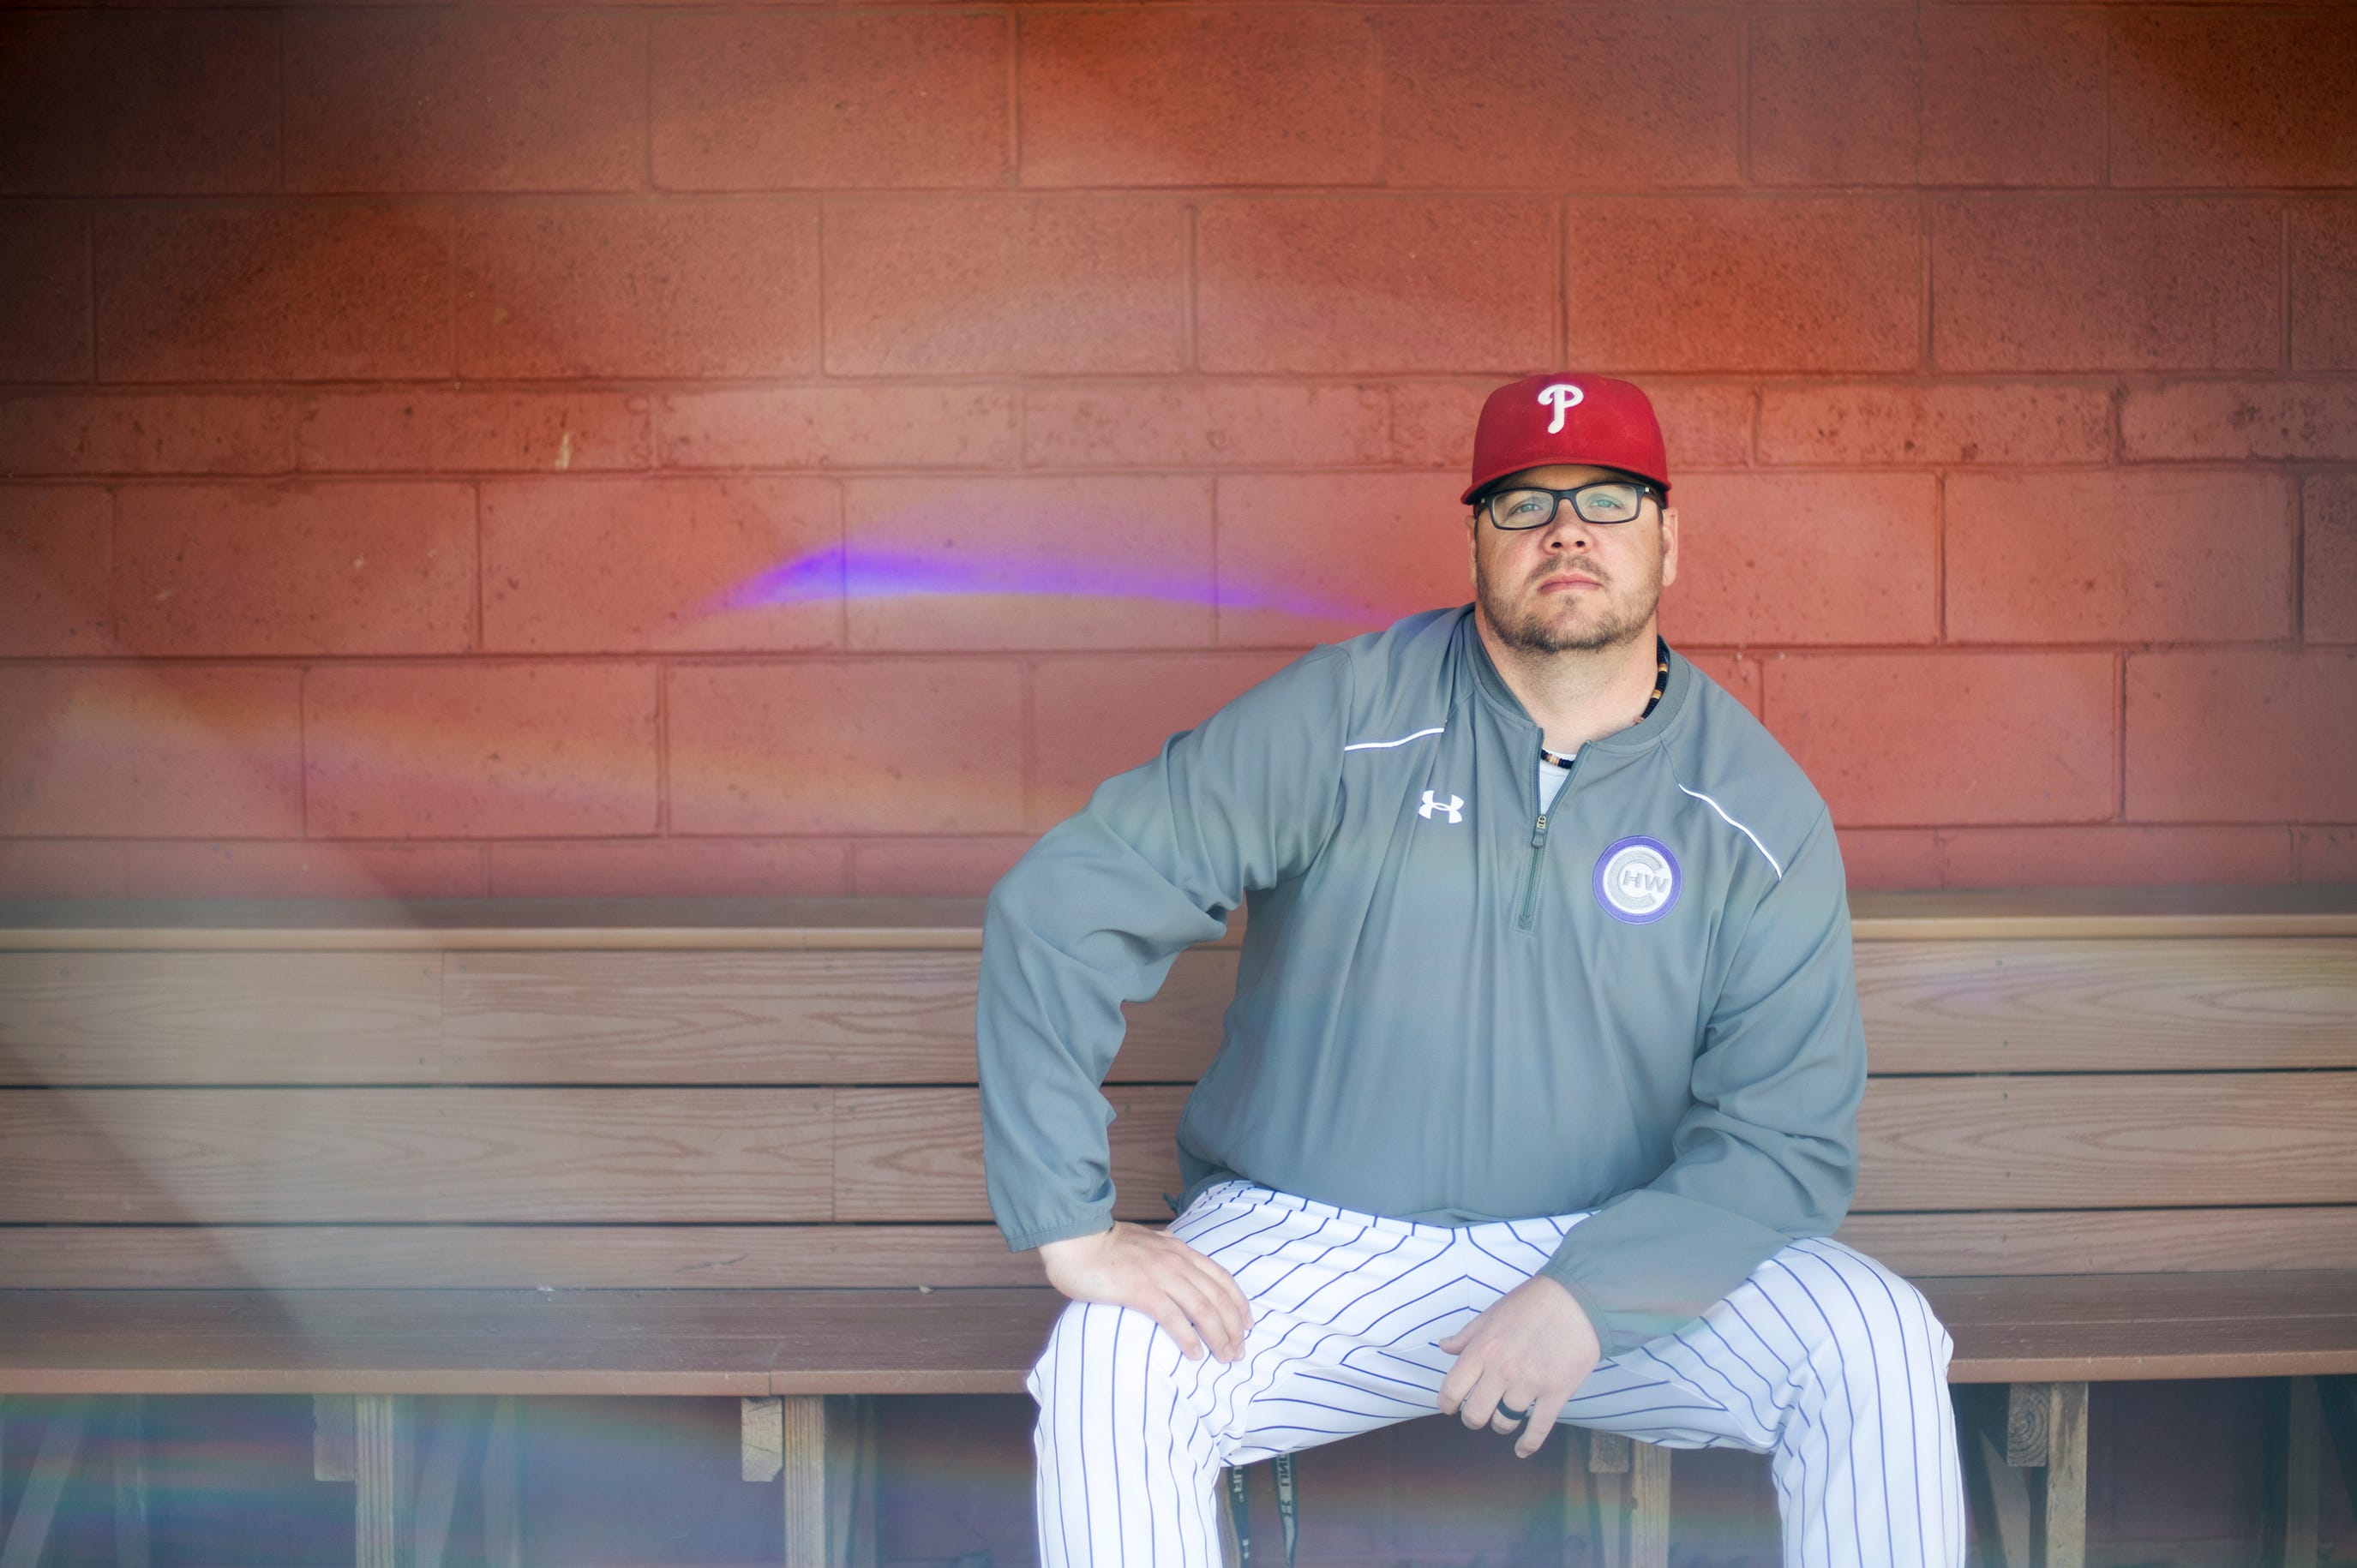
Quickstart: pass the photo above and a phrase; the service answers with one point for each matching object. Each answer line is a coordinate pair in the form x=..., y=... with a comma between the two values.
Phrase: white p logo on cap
x=1561, y=397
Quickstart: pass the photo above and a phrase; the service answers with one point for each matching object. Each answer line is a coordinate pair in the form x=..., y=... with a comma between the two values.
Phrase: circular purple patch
x=1637, y=880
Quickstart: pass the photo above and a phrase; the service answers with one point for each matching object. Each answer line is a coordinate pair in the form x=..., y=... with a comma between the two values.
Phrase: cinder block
x=1308, y=558
x=430, y=430
x=975, y=562
x=242, y=293
x=1353, y=285
x=2242, y=736
x=2118, y=556
x=2012, y=96
x=2263, y=420
x=1958, y=423
x=1092, y=718
x=2232, y=96
x=1722, y=283
x=45, y=295
x=1836, y=98
x=1879, y=858
x=159, y=750
x=465, y=99
x=2112, y=855
x=669, y=868
x=307, y=869
x=2329, y=577
x=876, y=424
x=136, y=103
x=1931, y=739
x=56, y=568
x=1787, y=559
x=1206, y=424
x=573, y=566
x=2106, y=282
x=147, y=433
x=930, y=867
x=1737, y=672
x=2324, y=285
x=773, y=100
x=298, y=567
x=1251, y=96
x=2326, y=854
x=856, y=745
x=1510, y=97
x=678, y=287
x=1704, y=424
x=482, y=750
x=61, y=868
x=1027, y=284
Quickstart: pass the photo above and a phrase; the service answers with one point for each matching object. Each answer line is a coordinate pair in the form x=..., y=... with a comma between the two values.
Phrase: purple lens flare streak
x=883, y=573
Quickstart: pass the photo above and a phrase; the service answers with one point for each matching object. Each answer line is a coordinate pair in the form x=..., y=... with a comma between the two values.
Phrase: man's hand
x=1132, y=1265
x=1532, y=1349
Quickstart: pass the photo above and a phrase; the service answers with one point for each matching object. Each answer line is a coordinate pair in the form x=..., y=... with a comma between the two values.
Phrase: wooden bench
x=375, y=1153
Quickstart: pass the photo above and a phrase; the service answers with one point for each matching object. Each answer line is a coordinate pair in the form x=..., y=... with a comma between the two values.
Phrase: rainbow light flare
x=879, y=572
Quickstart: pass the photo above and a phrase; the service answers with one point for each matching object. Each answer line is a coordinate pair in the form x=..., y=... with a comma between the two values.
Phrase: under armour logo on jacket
x=1561, y=397
x=1455, y=807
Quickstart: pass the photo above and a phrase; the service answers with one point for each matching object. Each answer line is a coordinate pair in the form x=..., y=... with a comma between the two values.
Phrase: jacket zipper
x=1539, y=834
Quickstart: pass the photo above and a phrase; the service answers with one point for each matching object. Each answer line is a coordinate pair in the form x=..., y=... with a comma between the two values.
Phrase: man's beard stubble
x=1620, y=622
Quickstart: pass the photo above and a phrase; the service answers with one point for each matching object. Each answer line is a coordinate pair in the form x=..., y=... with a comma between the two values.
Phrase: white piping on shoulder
x=1739, y=827
x=1383, y=745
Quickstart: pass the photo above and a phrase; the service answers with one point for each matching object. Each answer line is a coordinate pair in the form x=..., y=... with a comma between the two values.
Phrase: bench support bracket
x=384, y=1470
x=2046, y=1431
x=821, y=1449
x=1625, y=1487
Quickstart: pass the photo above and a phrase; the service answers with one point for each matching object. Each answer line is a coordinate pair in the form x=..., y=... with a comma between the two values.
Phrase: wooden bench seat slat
x=979, y=1341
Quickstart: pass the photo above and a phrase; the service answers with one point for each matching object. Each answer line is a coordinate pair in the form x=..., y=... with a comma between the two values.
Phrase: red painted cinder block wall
x=396, y=403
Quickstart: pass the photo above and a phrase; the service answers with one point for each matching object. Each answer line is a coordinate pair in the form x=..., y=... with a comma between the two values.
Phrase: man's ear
x=1669, y=546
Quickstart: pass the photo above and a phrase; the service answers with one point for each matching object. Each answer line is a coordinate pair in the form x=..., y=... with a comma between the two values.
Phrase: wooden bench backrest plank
x=907, y=1016
x=662, y=1257
x=626, y=1094
x=702, y=1156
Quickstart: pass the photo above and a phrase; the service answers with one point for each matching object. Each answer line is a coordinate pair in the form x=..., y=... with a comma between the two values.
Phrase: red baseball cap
x=1567, y=418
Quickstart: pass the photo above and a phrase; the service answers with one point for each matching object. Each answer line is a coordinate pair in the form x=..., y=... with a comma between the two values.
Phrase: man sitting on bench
x=1538, y=1099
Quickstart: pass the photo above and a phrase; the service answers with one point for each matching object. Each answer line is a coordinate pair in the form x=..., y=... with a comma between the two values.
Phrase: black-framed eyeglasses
x=1601, y=500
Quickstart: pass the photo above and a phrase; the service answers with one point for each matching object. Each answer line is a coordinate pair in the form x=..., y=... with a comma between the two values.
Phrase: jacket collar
x=1639, y=737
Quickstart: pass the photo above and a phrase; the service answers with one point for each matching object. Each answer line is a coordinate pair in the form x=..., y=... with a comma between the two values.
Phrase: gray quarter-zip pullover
x=1453, y=1005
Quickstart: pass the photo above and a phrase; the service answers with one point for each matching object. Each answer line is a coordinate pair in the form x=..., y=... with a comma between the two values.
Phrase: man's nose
x=1568, y=530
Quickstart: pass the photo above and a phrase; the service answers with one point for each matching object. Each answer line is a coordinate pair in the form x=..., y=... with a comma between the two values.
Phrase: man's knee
x=1095, y=1342
x=1857, y=1315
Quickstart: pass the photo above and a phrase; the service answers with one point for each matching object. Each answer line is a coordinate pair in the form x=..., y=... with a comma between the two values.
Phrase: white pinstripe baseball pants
x=1823, y=1357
